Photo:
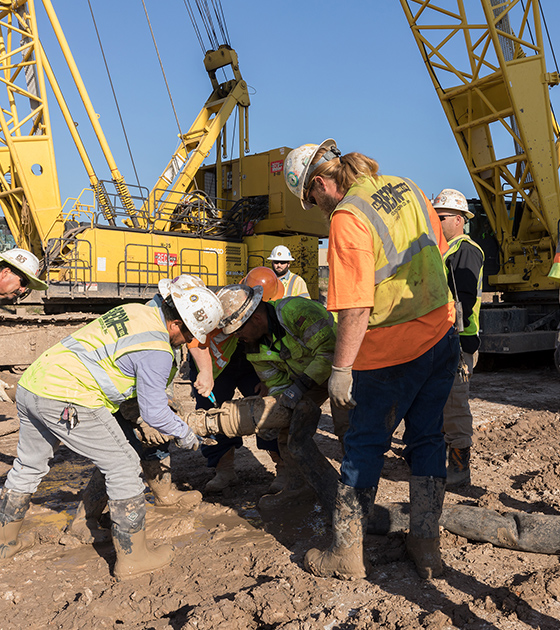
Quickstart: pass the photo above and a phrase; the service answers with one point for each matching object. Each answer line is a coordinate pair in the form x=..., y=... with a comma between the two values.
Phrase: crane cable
x=548, y=36
x=164, y=77
x=208, y=22
x=114, y=95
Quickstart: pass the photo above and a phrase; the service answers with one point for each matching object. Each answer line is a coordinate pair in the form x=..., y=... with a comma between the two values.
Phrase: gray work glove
x=3, y=395
x=290, y=397
x=340, y=387
x=191, y=441
x=151, y=436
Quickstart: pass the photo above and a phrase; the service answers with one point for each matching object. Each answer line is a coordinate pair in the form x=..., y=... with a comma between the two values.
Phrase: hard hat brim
x=466, y=213
x=34, y=282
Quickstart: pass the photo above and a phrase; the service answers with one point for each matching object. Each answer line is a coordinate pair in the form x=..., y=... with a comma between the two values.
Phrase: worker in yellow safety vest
x=464, y=261
x=69, y=394
x=294, y=285
x=396, y=348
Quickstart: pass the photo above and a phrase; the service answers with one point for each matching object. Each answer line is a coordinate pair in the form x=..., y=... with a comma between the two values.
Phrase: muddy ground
x=232, y=570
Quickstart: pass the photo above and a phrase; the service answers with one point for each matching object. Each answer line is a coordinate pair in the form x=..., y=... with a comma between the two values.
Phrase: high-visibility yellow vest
x=306, y=348
x=410, y=279
x=454, y=245
x=294, y=285
x=554, y=272
x=82, y=368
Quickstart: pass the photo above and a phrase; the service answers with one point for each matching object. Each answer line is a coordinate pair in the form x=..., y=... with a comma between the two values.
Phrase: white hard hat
x=184, y=281
x=298, y=169
x=239, y=302
x=281, y=254
x=450, y=199
x=199, y=308
x=27, y=263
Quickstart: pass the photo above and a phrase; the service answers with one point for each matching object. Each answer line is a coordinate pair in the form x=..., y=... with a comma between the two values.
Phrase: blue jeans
x=416, y=392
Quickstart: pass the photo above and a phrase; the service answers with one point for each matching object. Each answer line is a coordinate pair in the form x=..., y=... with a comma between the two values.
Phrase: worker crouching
x=69, y=395
x=290, y=343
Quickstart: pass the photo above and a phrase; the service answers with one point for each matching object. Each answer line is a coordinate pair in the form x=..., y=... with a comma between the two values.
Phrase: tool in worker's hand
x=212, y=399
x=70, y=415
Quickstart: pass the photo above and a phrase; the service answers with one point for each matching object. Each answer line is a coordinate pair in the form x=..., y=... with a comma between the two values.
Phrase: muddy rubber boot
x=85, y=526
x=458, y=467
x=225, y=473
x=13, y=506
x=345, y=559
x=281, y=477
x=157, y=473
x=422, y=543
x=129, y=537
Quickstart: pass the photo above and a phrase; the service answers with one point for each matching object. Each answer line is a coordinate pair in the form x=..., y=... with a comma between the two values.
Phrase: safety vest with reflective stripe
x=82, y=368
x=554, y=272
x=221, y=348
x=306, y=348
x=410, y=279
x=454, y=245
x=294, y=285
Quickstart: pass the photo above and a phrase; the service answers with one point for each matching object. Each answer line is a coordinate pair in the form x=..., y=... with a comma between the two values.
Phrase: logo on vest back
x=115, y=318
x=391, y=198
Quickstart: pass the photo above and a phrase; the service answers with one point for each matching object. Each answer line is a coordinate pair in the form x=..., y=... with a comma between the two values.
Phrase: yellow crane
x=486, y=59
x=113, y=240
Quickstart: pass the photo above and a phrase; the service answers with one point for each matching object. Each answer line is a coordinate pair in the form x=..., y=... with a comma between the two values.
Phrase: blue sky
x=348, y=70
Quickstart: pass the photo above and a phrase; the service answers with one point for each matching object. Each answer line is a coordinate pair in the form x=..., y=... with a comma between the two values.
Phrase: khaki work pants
x=457, y=417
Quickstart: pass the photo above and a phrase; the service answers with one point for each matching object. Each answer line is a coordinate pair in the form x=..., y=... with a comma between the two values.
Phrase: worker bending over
x=68, y=395
x=18, y=277
x=294, y=285
x=151, y=445
x=464, y=260
x=18, y=274
x=290, y=343
x=220, y=367
x=396, y=351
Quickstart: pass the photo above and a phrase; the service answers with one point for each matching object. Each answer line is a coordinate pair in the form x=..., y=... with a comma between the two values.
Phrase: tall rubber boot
x=225, y=473
x=157, y=473
x=85, y=526
x=458, y=467
x=129, y=537
x=422, y=543
x=281, y=477
x=13, y=506
x=345, y=559
x=295, y=490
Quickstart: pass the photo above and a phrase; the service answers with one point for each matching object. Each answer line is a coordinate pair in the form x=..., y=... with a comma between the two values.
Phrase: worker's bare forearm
x=352, y=326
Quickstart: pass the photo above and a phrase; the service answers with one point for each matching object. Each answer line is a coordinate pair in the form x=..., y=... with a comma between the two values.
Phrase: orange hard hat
x=280, y=293
x=265, y=277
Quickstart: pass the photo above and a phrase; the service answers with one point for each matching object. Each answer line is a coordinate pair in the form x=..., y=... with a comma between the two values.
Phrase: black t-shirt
x=466, y=263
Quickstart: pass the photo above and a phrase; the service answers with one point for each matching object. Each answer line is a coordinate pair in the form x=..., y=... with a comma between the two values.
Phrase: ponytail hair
x=346, y=169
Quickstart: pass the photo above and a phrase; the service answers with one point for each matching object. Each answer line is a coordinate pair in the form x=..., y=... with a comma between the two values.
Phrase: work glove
x=151, y=436
x=3, y=387
x=340, y=387
x=290, y=397
x=190, y=442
